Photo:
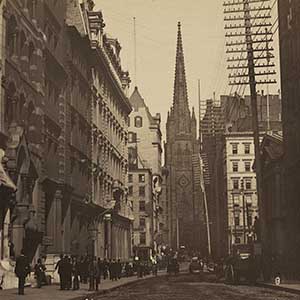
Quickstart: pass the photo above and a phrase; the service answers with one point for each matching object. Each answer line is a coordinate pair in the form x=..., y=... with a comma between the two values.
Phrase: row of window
x=141, y=178
x=249, y=220
x=235, y=148
x=142, y=191
x=236, y=184
x=247, y=166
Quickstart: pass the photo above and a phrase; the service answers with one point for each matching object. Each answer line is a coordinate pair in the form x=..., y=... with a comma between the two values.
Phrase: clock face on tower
x=183, y=181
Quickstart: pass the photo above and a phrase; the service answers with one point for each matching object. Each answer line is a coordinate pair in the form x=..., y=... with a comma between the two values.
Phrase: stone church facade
x=181, y=144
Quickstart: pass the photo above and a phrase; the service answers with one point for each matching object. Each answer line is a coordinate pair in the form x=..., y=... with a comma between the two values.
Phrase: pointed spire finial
x=180, y=97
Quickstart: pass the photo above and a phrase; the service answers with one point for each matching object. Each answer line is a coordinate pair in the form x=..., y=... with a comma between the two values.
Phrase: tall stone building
x=181, y=144
x=145, y=176
x=63, y=127
x=289, y=26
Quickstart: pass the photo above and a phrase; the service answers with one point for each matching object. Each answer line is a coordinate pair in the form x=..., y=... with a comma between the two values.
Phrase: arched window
x=30, y=53
x=9, y=110
x=21, y=108
x=22, y=40
x=138, y=122
x=30, y=112
x=30, y=5
x=11, y=35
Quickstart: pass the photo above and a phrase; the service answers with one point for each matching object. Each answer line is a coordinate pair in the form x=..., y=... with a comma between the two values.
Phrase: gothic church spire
x=180, y=98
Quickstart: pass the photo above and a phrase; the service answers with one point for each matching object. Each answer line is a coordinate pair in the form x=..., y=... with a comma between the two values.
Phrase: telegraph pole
x=248, y=29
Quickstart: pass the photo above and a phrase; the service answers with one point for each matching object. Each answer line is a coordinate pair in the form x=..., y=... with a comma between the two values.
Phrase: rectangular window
x=236, y=199
x=142, y=222
x=130, y=190
x=141, y=178
x=237, y=220
x=143, y=238
x=130, y=178
x=247, y=166
x=237, y=240
x=235, y=184
x=234, y=148
x=132, y=137
x=249, y=220
x=142, y=206
x=247, y=148
x=142, y=191
x=235, y=166
x=248, y=184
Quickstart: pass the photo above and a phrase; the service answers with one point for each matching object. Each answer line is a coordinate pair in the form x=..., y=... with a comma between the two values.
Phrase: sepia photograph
x=149, y=149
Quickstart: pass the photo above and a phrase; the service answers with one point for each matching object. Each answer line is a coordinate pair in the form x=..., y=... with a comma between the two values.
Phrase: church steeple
x=180, y=98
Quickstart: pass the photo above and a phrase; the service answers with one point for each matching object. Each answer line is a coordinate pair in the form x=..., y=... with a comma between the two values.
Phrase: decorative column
x=108, y=236
x=20, y=214
x=54, y=224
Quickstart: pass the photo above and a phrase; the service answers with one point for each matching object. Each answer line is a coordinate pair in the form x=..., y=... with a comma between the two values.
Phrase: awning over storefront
x=5, y=180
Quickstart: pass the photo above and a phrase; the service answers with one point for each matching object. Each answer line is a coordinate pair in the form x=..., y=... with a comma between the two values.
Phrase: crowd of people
x=74, y=270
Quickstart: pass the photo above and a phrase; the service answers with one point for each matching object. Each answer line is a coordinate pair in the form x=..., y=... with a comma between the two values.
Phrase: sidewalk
x=290, y=287
x=52, y=292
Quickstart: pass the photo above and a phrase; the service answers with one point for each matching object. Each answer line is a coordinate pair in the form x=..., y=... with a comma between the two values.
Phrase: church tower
x=181, y=143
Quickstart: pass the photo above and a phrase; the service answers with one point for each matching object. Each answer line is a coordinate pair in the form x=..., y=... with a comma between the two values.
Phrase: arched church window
x=21, y=108
x=30, y=112
x=138, y=122
x=11, y=35
x=30, y=5
x=9, y=103
x=22, y=40
x=30, y=53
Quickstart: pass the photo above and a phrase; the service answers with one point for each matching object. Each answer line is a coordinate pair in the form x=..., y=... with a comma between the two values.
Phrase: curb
x=279, y=288
x=91, y=296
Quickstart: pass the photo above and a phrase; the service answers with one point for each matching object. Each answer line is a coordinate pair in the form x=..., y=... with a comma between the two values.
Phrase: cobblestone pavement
x=188, y=287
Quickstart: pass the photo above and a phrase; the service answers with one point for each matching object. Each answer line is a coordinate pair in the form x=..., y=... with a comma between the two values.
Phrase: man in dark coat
x=22, y=269
x=119, y=269
x=60, y=269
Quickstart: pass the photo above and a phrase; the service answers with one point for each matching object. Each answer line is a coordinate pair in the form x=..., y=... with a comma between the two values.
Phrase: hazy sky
x=156, y=33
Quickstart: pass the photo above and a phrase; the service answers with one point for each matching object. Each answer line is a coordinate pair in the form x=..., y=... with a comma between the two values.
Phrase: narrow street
x=189, y=287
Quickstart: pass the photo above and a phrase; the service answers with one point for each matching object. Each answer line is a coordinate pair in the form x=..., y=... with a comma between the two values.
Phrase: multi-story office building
x=145, y=176
x=240, y=187
x=63, y=127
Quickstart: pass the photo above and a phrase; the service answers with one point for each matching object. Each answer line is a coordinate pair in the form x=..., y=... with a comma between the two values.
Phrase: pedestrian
x=114, y=270
x=119, y=268
x=60, y=268
x=100, y=271
x=68, y=272
x=127, y=269
x=39, y=272
x=110, y=268
x=93, y=273
x=105, y=269
x=75, y=273
x=85, y=269
x=22, y=270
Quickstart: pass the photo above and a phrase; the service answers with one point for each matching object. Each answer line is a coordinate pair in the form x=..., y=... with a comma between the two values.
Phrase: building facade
x=22, y=127
x=288, y=12
x=241, y=187
x=63, y=126
x=222, y=120
x=275, y=209
x=145, y=176
x=181, y=144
